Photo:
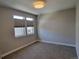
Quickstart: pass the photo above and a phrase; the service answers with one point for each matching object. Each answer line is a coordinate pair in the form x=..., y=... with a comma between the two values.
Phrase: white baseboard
x=58, y=43
x=5, y=54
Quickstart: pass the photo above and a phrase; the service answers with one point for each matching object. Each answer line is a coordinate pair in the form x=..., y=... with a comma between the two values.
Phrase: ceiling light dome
x=39, y=4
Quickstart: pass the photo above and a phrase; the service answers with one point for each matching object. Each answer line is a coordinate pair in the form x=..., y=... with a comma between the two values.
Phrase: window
x=20, y=31
x=30, y=30
x=29, y=19
x=22, y=26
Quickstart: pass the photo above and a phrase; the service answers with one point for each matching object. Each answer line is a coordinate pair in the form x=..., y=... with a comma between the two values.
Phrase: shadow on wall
x=54, y=37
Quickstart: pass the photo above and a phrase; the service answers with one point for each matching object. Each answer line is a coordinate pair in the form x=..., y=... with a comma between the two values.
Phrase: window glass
x=20, y=31
x=29, y=19
x=18, y=17
x=30, y=30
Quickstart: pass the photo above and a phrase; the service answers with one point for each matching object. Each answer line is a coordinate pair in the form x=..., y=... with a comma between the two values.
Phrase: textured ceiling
x=26, y=5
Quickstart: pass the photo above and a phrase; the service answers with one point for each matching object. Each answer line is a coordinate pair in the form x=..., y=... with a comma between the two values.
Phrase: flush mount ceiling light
x=38, y=4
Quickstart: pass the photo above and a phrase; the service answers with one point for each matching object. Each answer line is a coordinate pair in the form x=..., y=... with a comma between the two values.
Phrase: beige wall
x=77, y=28
x=0, y=34
x=0, y=39
x=58, y=27
x=0, y=54
x=8, y=42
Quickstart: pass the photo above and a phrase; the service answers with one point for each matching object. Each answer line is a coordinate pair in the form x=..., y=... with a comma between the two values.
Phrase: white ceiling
x=26, y=5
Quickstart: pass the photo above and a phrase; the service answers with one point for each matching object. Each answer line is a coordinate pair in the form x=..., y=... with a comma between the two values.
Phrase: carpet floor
x=44, y=51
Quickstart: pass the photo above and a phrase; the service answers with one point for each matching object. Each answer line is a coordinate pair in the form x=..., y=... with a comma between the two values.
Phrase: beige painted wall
x=0, y=54
x=8, y=42
x=0, y=38
x=77, y=28
x=58, y=27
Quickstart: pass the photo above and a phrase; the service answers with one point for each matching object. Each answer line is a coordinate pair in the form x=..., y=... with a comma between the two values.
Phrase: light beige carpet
x=44, y=51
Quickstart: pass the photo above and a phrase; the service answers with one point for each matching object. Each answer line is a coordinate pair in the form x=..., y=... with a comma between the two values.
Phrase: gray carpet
x=44, y=51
